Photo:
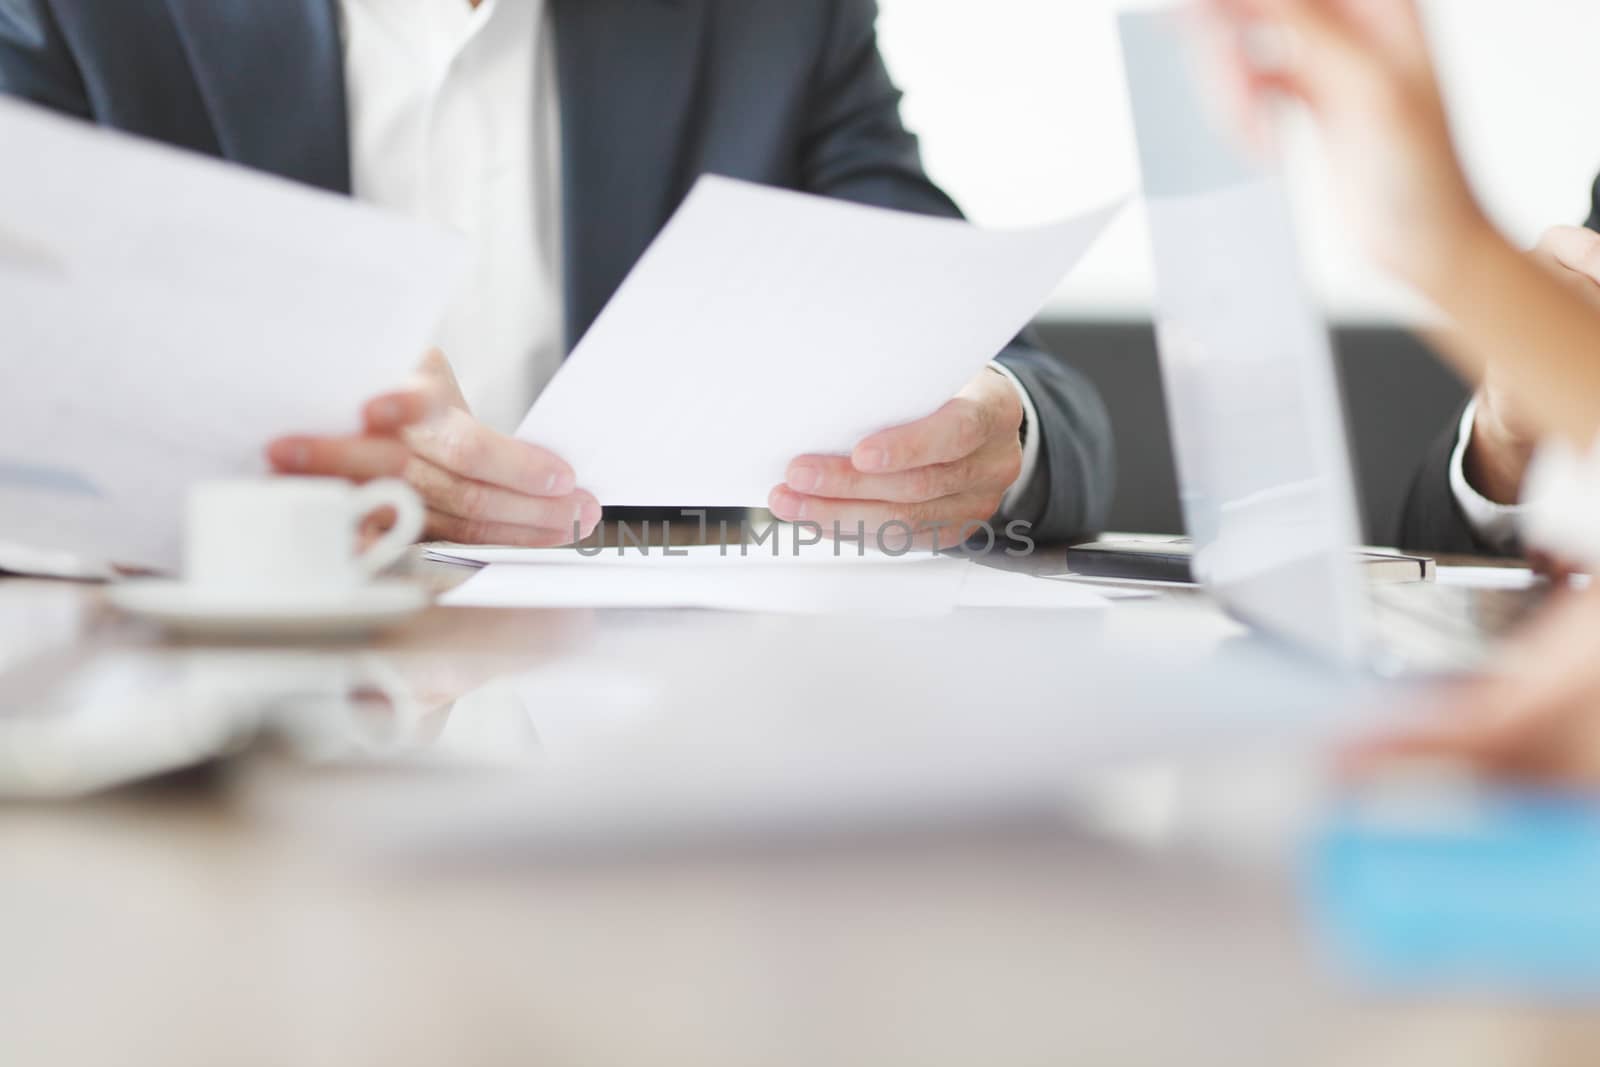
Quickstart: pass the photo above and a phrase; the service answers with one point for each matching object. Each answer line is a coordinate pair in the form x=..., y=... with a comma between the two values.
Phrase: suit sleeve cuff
x=1497, y=525
x=1031, y=435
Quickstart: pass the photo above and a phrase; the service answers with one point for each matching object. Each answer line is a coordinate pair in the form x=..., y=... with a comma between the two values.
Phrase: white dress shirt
x=1497, y=525
x=1560, y=509
x=454, y=119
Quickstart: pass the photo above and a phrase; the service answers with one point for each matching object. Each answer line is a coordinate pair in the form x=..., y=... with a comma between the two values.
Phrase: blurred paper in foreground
x=167, y=315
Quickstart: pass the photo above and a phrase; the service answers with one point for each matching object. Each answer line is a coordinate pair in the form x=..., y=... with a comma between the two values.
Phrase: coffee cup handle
x=410, y=517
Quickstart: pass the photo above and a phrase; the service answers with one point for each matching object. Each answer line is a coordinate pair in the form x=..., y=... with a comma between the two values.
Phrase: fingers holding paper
x=933, y=477
x=376, y=453
x=359, y=459
x=480, y=486
x=525, y=513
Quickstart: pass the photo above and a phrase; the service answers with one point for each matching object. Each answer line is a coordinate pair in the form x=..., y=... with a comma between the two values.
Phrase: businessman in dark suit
x=1464, y=499
x=560, y=135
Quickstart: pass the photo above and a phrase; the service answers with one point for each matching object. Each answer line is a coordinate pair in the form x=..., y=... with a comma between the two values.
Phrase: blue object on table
x=1497, y=892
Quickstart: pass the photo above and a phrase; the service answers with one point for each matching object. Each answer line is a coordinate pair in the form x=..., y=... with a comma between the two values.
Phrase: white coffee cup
x=293, y=538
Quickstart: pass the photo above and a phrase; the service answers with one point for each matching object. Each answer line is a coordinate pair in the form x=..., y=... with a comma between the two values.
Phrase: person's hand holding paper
x=480, y=487
x=693, y=414
x=783, y=350
x=937, y=476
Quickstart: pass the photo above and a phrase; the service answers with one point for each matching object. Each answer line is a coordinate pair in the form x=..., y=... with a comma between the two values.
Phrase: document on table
x=911, y=586
x=782, y=545
x=167, y=315
x=764, y=325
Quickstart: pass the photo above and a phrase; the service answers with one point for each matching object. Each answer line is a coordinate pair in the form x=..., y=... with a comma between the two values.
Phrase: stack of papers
x=167, y=315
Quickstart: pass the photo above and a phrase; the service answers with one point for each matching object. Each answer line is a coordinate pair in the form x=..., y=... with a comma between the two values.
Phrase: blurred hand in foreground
x=1504, y=437
x=1536, y=720
x=1364, y=69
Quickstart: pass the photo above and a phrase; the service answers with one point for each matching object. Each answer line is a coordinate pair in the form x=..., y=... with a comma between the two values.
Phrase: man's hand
x=1503, y=439
x=947, y=471
x=1502, y=445
x=480, y=487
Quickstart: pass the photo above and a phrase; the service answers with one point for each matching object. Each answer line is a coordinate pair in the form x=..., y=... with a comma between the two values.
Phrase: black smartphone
x=1142, y=561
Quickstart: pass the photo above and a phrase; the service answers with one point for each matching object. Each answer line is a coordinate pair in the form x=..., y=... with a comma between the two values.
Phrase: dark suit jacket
x=1432, y=520
x=790, y=93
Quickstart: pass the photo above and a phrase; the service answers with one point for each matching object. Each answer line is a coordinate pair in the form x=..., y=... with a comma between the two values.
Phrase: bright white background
x=1022, y=111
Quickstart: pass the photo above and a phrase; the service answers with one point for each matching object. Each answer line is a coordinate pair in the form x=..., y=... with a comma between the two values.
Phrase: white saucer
x=199, y=612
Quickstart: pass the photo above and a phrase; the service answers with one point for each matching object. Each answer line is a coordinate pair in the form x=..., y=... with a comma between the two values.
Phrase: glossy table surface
x=230, y=907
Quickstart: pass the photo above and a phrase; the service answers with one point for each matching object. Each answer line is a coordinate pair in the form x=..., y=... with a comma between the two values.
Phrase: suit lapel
x=271, y=73
x=628, y=71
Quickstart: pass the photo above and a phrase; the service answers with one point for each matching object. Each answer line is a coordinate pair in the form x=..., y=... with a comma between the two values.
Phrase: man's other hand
x=1503, y=440
x=936, y=476
x=480, y=487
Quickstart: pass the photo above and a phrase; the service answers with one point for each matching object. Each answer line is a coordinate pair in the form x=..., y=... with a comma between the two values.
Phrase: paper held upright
x=763, y=325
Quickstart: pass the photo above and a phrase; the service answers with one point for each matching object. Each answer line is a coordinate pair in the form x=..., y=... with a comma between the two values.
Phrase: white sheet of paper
x=926, y=590
x=786, y=549
x=912, y=586
x=763, y=325
x=1122, y=588
x=987, y=587
x=167, y=315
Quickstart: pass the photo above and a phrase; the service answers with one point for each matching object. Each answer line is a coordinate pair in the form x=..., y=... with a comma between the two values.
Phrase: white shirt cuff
x=1497, y=525
x=1030, y=444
